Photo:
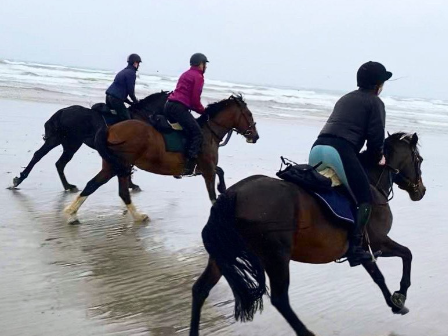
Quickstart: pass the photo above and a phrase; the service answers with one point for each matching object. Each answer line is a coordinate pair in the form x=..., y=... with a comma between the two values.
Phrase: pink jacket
x=189, y=89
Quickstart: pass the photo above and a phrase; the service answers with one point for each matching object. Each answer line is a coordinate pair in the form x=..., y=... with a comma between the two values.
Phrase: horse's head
x=403, y=157
x=153, y=104
x=233, y=113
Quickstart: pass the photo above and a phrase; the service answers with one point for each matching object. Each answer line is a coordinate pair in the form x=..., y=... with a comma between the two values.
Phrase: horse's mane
x=214, y=108
x=400, y=136
x=390, y=141
x=150, y=99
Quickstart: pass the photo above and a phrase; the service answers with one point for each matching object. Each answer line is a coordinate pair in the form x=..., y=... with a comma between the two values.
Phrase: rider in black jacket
x=122, y=87
x=359, y=116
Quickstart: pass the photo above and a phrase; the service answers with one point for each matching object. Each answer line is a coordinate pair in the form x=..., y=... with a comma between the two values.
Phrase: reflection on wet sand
x=123, y=274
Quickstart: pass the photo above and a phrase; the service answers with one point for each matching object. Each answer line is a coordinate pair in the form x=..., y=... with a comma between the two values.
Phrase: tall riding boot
x=190, y=165
x=356, y=253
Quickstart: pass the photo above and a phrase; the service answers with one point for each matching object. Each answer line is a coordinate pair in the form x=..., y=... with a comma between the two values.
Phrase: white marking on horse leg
x=137, y=216
x=73, y=208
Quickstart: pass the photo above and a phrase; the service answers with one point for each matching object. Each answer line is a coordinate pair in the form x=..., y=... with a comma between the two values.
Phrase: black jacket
x=357, y=117
x=124, y=84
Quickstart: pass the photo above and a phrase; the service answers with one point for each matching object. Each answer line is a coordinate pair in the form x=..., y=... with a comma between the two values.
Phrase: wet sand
x=108, y=276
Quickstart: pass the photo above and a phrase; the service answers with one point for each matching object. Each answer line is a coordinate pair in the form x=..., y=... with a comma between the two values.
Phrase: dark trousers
x=178, y=112
x=356, y=175
x=118, y=105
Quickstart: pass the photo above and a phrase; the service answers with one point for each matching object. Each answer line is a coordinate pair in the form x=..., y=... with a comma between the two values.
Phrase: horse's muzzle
x=251, y=137
x=418, y=193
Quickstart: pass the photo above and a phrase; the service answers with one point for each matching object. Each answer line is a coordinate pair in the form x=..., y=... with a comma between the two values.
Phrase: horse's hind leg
x=123, y=186
x=277, y=268
x=67, y=155
x=132, y=185
x=201, y=288
x=101, y=178
x=390, y=248
x=48, y=145
x=373, y=270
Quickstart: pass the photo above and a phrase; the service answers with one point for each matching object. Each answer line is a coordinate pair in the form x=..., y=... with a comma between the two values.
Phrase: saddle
x=110, y=116
x=103, y=109
x=325, y=186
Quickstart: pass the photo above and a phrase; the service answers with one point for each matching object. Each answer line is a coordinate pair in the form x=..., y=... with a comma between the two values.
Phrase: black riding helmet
x=197, y=59
x=132, y=58
x=371, y=74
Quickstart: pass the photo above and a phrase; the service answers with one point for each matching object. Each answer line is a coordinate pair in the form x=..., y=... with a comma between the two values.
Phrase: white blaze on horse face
x=137, y=216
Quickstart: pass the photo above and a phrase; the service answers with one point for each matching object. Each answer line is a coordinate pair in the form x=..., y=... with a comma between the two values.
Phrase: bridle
x=247, y=132
x=395, y=174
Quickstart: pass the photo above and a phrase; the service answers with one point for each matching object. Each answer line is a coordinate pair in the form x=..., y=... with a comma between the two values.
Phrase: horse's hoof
x=402, y=311
x=307, y=333
x=16, y=181
x=141, y=218
x=135, y=188
x=73, y=220
x=398, y=301
x=72, y=188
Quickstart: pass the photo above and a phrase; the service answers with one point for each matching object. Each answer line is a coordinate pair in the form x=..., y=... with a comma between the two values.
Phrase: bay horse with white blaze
x=262, y=223
x=133, y=143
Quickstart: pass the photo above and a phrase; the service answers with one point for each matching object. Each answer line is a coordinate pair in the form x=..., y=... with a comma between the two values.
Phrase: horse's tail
x=241, y=268
x=101, y=145
x=53, y=126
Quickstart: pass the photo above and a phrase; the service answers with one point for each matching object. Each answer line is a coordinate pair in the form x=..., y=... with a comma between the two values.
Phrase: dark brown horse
x=76, y=125
x=132, y=143
x=261, y=224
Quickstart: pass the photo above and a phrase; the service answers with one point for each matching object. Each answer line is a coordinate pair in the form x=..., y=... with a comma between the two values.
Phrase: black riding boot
x=356, y=253
x=190, y=165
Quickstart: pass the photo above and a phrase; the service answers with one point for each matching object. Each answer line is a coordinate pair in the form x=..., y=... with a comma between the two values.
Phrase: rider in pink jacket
x=185, y=98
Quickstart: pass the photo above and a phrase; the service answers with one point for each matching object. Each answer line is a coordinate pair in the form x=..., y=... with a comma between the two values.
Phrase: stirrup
x=373, y=255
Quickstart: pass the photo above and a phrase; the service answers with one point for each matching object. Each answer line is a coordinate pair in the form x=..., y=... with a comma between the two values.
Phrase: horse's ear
x=414, y=140
x=388, y=134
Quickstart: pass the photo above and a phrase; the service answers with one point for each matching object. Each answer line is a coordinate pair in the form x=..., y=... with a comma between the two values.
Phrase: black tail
x=242, y=269
x=101, y=145
x=53, y=126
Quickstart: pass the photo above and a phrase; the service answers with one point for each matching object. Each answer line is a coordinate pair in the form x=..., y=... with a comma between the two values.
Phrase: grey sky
x=304, y=44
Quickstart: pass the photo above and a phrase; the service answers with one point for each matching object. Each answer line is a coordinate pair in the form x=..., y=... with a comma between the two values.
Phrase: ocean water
x=33, y=81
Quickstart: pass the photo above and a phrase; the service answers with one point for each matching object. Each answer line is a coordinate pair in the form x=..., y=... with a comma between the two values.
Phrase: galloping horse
x=74, y=125
x=262, y=223
x=132, y=143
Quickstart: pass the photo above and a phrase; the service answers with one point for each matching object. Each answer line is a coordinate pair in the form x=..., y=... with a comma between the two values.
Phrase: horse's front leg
x=390, y=248
x=373, y=270
x=209, y=174
x=222, y=183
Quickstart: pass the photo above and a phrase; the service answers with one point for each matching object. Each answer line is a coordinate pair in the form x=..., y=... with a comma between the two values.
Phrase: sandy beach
x=109, y=276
